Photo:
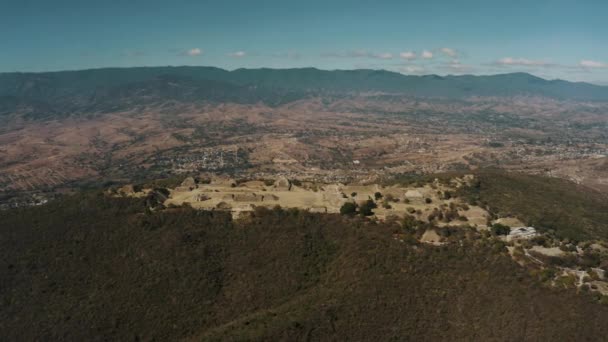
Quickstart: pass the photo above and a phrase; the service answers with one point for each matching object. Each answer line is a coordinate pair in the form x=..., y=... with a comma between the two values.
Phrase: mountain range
x=115, y=88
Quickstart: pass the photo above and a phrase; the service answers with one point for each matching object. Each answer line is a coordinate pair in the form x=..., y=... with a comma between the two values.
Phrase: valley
x=341, y=139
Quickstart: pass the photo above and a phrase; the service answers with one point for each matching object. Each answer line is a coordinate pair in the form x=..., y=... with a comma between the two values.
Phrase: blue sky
x=549, y=38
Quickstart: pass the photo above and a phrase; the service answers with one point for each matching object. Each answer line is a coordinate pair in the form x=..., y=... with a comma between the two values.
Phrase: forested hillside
x=93, y=267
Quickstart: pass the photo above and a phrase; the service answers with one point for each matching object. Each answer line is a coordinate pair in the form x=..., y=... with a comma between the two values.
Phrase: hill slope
x=551, y=204
x=91, y=267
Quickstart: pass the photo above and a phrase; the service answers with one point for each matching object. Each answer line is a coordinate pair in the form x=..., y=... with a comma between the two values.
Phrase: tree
x=500, y=229
x=410, y=223
x=348, y=208
x=366, y=209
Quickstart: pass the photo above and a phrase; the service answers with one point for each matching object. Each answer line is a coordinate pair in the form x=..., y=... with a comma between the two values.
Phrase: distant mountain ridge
x=84, y=89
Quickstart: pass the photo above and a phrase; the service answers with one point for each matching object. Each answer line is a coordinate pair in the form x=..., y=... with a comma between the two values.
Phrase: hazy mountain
x=82, y=90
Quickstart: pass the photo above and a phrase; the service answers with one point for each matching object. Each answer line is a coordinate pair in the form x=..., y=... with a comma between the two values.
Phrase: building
x=414, y=197
x=521, y=233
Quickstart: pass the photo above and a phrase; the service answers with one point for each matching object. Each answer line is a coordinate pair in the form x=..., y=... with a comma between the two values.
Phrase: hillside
x=556, y=205
x=92, y=267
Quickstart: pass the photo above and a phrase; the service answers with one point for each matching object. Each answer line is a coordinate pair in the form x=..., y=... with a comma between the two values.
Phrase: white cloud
x=237, y=54
x=449, y=52
x=458, y=67
x=521, y=62
x=384, y=55
x=427, y=54
x=592, y=64
x=409, y=55
x=412, y=69
x=193, y=52
x=359, y=54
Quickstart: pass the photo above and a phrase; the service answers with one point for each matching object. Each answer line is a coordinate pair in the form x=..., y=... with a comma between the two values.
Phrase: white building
x=521, y=233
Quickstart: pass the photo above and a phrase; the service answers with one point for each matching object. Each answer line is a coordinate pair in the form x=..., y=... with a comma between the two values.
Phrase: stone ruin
x=188, y=184
x=414, y=197
x=127, y=189
x=282, y=184
x=201, y=198
x=246, y=197
x=270, y=198
x=223, y=206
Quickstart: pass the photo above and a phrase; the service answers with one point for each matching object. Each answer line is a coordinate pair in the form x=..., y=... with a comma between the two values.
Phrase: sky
x=548, y=38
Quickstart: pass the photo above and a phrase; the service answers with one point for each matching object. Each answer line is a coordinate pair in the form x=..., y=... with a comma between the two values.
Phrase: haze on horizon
x=548, y=38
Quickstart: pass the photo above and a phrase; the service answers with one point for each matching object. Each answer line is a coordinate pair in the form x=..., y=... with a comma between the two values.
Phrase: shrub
x=348, y=208
x=500, y=229
x=377, y=196
x=540, y=241
x=366, y=209
x=428, y=200
x=547, y=274
x=410, y=223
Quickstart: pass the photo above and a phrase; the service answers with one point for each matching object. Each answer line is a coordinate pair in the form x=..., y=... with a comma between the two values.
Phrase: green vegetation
x=367, y=208
x=549, y=204
x=500, y=229
x=348, y=208
x=390, y=198
x=92, y=267
x=412, y=179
